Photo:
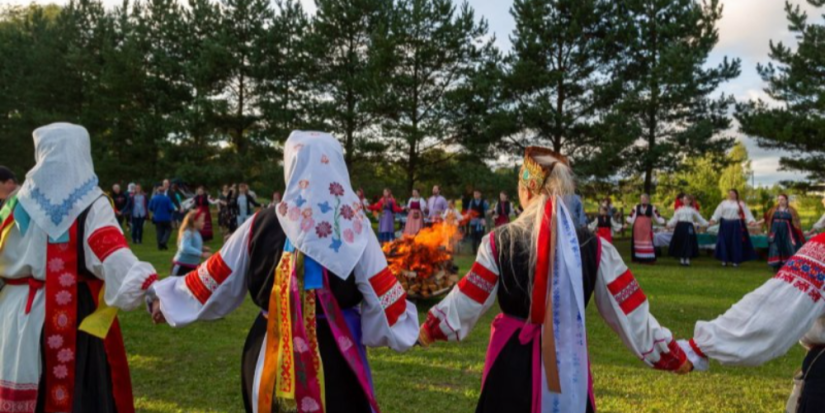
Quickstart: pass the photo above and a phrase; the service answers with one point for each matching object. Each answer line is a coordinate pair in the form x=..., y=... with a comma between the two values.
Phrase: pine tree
x=348, y=69
x=668, y=87
x=436, y=49
x=559, y=81
x=796, y=79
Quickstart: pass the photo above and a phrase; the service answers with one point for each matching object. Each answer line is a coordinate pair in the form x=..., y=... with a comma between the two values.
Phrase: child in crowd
x=190, y=244
x=605, y=225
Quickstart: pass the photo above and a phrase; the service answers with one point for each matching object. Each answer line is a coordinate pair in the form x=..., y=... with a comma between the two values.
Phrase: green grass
x=197, y=368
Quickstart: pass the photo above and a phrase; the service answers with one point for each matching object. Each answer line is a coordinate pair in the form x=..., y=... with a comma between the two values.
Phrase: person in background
x=608, y=203
x=786, y=236
x=8, y=184
x=734, y=242
x=573, y=202
x=203, y=203
x=276, y=199
x=685, y=243
x=190, y=244
x=162, y=209
x=604, y=225
x=641, y=221
x=503, y=210
x=415, y=216
x=819, y=225
x=452, y=216
x=120, y=201
x=436, y=205
x=246, y=204
x=365, y=203
x=478, y=218
x=138, y=210
x=226, y=217
x=387, y=207
x=176, y=196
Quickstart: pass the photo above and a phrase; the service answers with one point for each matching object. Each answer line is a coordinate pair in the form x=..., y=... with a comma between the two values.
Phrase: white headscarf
x=62, y=183
x=320, y=213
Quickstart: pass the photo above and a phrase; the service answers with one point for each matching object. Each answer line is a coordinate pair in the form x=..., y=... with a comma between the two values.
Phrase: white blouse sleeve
x=109, y=258
x=216, y=288
x=674, y=220
x=593, y=225
x=455, y=316
x=697, y=216
x=632, y=218
x=819, y=224
x=718, y=213
x=617, y=226
x=768, y=321
x=624, y=306
x=387, y=318
x=748, y=215
x=657, y=216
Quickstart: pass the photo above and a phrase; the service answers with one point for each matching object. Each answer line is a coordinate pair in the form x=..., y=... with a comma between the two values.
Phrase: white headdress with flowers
x=320, y=213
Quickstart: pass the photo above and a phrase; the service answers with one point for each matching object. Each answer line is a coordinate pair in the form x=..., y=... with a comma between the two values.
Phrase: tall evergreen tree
x=559, y=80
x=796, y=79
x=349, y=81
x=668, y=85
x=436, y=49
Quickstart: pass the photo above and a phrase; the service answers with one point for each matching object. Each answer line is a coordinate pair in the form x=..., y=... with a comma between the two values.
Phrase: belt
x=34, y=285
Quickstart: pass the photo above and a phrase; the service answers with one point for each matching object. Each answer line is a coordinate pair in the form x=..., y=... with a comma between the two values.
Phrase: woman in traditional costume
x=315, y=269
x=685, y=243
x=787, y=309
x=537, y=360
x=415, y=215
x=786, y=236
x=641, y=220
x=604, y=225
x=63, y=257
x=202, y=204
x=503, y=210
x=733, y=244
x=387, y=208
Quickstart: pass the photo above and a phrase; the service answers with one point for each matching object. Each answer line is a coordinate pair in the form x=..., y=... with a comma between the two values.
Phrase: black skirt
x=509, y=384
x=684, y=243
x=813, y=394
x=93, y=391
x=343, y=391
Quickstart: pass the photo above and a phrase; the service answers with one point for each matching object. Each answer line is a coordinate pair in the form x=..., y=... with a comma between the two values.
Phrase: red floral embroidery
x=391, y=295
x=203, y=281
x=18, y=398
x=478, y=284
x=105, y=241
x=336, y=189
x=323, y=230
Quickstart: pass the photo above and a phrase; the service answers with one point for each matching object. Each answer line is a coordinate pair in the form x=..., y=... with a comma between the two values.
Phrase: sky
x=746, y=28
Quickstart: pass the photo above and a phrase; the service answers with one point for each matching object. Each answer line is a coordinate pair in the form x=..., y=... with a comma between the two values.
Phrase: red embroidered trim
x=149, y=281
x=804, y=272
x=478, y=284
x=218, y=269
x=105, y=241
x=433, y=327
x=383, y=281
x=673, y=360
x=627, y=292
x=197, y=287
x=391, y=295
x=696, y=349
x=60, y=327
x=17, y=398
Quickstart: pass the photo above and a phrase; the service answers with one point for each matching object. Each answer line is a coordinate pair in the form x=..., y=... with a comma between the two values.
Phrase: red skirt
x=606, y=233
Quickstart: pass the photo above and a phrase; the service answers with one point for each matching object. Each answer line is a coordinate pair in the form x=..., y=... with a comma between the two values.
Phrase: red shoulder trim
x=105, y=241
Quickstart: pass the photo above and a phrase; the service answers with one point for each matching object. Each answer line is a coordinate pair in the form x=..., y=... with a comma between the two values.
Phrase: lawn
x=197, y=368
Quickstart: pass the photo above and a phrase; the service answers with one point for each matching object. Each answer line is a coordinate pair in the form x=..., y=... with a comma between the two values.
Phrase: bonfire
x=424, y=263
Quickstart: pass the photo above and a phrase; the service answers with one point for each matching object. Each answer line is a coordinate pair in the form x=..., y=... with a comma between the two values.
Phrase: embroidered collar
x=57, y=212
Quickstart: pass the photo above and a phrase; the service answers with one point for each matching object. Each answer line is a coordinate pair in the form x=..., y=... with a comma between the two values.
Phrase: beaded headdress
x=533, y=175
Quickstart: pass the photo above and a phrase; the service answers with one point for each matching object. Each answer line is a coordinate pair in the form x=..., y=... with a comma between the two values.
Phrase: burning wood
x=424, y=263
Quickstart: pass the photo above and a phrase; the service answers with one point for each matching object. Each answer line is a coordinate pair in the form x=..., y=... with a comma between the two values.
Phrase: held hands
x=157, y=315
x=694, y=360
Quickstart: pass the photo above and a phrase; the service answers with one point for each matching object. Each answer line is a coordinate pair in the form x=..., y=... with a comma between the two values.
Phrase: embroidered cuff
x=149, y=281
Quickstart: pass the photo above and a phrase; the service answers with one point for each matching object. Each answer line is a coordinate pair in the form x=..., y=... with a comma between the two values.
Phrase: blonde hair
x=523, y=232
x=188, y=223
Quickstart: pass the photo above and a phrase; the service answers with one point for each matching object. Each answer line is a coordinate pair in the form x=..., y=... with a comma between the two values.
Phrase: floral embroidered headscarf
x=320, y=212
x=62, y=183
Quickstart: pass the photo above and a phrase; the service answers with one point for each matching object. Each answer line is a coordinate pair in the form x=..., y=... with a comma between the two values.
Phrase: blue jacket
x=190, y=248
x=574, y=205
x=162, y=208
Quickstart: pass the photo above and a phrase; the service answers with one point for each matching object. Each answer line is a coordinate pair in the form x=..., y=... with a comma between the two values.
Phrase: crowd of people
x=317, y=272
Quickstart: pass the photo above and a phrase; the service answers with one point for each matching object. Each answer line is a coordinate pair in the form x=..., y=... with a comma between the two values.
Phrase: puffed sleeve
x=593, y=225
x=455, y=316
x=674, y=220
x=748, y=215
x=616, y=226
x=624, y=306
x=387, y=318
x=768, y=321
x=109, y=258
x=819, y=224
x=632, y=218
x=717, y=214
x=699, y=219
x=213, y=290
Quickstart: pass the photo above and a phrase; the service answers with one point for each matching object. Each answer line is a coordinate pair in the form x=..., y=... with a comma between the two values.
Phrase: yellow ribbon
x=100, y=321
x=278, y=375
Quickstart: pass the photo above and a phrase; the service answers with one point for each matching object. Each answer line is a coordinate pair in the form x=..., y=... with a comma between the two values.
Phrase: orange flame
x=424, y=254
